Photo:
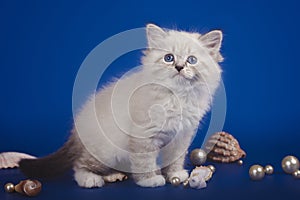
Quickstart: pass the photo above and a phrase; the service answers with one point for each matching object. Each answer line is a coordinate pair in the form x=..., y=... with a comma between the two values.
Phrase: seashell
x=223, y=147
x=115, y=177
x=11, y=159
x=199, y=176
x=29, y=187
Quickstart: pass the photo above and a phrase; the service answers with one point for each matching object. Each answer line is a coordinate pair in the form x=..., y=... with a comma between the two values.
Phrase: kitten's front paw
x=88, y=179
x=154, y=181
x=182, y=175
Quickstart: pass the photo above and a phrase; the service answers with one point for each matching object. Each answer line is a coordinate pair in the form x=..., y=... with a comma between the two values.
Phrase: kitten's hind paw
x=88, y=179
x=154, y=181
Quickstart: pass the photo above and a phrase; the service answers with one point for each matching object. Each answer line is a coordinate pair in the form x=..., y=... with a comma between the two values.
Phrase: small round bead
x=9, y=187
x=256, y=172
x=296, y=174
x=175, y=181
x=198, y=157
x=269, y=169
x=290, y=164
x=185, y=183
x=240, y=162
x=212, y=168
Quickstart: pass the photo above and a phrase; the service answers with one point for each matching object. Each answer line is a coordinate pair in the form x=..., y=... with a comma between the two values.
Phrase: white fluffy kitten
x=142, y=124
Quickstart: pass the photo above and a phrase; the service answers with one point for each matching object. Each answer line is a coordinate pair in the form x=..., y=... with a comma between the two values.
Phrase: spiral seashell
x=29, y=187
x=223, y=147
x=11, y=159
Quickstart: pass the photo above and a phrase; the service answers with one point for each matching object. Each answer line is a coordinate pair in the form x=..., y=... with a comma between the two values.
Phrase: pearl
x=186, y=183
x=9, y=187
x=296, y=174
x=290, y=164
x=198, y=157
x=269, y=169
x=212, y=168
x=240, y=162
x=175, y=181
x=256, y=172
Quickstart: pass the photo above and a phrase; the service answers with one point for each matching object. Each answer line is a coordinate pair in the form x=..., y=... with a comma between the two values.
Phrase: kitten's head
x=182, y=57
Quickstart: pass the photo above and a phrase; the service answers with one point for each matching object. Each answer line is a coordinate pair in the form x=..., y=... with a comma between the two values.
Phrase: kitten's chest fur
x=177, y=116
x=179, y=109
x=183, y=107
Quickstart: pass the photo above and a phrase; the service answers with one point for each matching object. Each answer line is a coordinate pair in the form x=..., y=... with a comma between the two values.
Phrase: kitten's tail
x=52, y=165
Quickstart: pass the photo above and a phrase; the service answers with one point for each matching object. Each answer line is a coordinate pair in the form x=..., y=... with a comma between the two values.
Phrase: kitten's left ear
x=154, y=35
x=212, y=41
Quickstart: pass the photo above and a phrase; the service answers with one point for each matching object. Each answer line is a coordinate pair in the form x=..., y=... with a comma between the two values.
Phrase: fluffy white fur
x=151, y=113
x=142, y=124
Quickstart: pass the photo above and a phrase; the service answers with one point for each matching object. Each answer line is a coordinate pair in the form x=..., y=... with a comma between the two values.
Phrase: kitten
x=142, y=124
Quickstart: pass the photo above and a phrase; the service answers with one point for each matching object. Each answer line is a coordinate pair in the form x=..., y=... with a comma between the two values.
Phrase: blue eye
x=192, y=60
x=169, y=58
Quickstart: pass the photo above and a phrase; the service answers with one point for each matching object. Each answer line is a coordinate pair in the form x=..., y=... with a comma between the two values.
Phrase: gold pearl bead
x=185, y=183
x=175, y=181
x=212, y=168
x=240, y=162
x=9, y=187
x=269, y=169
x=198, y=157
x=290, y=164
x=256, y=172
x=296, y=174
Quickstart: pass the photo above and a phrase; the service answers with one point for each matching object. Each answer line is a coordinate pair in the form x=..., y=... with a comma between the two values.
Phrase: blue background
x=43, y=43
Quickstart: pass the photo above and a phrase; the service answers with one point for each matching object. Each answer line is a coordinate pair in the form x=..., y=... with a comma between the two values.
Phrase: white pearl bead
x=290, y=164
x=296, y=174
x=175, y=181
x=198, y=157
x=269, y=169
x=256, y=172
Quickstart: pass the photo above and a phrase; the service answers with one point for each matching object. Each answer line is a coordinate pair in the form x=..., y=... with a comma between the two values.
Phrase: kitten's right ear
x=154, y=35
x=212, y=41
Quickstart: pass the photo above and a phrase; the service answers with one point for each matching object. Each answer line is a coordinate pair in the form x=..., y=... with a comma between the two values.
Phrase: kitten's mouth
x=179, y=75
